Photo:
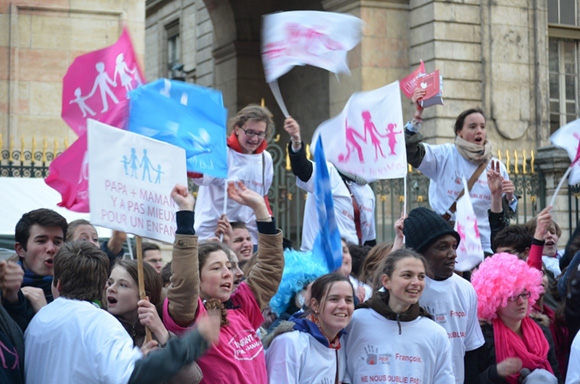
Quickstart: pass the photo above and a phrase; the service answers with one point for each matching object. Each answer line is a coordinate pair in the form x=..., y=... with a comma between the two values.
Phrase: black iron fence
x=287, y=200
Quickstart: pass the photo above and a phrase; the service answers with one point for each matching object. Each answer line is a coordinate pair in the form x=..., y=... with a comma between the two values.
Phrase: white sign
x=130, y=181
x=367, y=138
x=469, y=252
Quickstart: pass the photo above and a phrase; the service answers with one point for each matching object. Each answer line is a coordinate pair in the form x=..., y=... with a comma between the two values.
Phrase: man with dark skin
x=449, y=298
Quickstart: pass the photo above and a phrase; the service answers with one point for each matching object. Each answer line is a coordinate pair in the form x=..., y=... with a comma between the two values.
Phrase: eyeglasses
x=525, y=295
x=251, y=133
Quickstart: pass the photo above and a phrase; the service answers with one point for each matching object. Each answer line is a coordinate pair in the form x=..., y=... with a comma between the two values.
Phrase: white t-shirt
x=453, y=305
x=377, y=353
x=343, y=209
x=256, y=175
x=298, y=358
x=573, y=372
x=552, y=264
x=71, y=341
x=446, y=167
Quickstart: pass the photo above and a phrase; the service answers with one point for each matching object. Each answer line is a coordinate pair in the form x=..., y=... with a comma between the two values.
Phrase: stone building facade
x=39, y=39
x=516, y=59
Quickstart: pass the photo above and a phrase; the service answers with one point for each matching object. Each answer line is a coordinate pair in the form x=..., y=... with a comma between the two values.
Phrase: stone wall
x=38, y=42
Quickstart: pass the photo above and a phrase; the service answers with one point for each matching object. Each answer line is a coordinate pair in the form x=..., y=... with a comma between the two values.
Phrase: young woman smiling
x=391, y=338
x=202, y=279
x=447, y=164
x=307, y=348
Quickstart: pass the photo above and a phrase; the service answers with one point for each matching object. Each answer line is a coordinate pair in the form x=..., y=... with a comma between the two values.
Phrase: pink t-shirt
x=239, y=356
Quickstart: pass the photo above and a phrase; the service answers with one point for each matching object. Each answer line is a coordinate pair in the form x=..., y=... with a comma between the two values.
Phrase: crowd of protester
x=392, y=313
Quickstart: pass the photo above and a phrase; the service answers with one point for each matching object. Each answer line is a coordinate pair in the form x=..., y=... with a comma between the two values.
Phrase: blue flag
x=328, y=241
x=188, y=116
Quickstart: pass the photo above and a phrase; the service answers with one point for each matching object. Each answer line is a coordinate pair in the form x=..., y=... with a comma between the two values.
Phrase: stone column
x=553, y=162
x=383, y=54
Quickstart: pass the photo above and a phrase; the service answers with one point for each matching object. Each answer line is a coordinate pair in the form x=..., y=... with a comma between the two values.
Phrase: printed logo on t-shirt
x=440, y=318
x=246, y=344
x=373, y=357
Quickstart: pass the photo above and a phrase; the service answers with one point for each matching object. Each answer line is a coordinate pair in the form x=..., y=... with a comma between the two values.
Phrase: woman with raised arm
x=202, y=279
x=447, y=164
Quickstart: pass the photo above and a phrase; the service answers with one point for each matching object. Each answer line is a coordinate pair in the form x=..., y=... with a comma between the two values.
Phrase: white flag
x=469, y=252
x=321, y=39
x=367, y=138
x=568, y=138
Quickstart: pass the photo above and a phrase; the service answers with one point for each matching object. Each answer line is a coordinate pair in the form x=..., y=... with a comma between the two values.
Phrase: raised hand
x=399, y=237
x=543, y=223
x=182, y=197
x=418, y=94
x=11, y=276
x=35, y=296
x=242, y=195
x=293, y=129
x=224, y=228
x=495, y=180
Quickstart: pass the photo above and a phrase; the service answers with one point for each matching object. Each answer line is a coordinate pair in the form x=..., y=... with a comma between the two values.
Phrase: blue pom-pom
x=300, y=268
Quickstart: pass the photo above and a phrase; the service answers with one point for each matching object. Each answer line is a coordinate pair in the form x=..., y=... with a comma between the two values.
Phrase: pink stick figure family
x=103, y=82
x=353, y=139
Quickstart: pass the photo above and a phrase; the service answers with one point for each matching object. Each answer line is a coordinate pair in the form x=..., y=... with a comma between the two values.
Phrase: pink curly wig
x=501, y=276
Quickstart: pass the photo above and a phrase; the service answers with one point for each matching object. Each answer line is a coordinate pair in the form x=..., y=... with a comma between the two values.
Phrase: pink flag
x=568, y=138
x=366, y=139
x=409, y=83
x=469, y=251
x=69, y=174
x=96, y=85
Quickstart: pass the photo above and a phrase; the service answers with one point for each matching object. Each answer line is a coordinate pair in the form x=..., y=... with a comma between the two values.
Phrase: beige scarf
x=474, y=153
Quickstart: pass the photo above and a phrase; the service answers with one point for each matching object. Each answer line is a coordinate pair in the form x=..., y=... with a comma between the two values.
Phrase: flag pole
x=405, y=195
x=560, y=185
x=142, y=294
x=278, y=96
x=225, y=207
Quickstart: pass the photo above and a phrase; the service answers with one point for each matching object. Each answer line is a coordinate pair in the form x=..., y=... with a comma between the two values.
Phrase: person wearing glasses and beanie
x=516, y=349
x=449, y=298
x=249, y=162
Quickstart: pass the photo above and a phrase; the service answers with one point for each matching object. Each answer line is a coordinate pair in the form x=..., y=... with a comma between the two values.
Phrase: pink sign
x=409, y=83
x=69, y=175
x=96, y=85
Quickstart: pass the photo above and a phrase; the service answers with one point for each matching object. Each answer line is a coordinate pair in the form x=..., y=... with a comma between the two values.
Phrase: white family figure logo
x=103, y=82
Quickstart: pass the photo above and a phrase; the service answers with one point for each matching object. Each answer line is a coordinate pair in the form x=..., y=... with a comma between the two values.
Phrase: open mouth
x=479, y=140
x=237, y=282
x=227, y=286
x=341, y=315
x=48, y=262
x=111, y=300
